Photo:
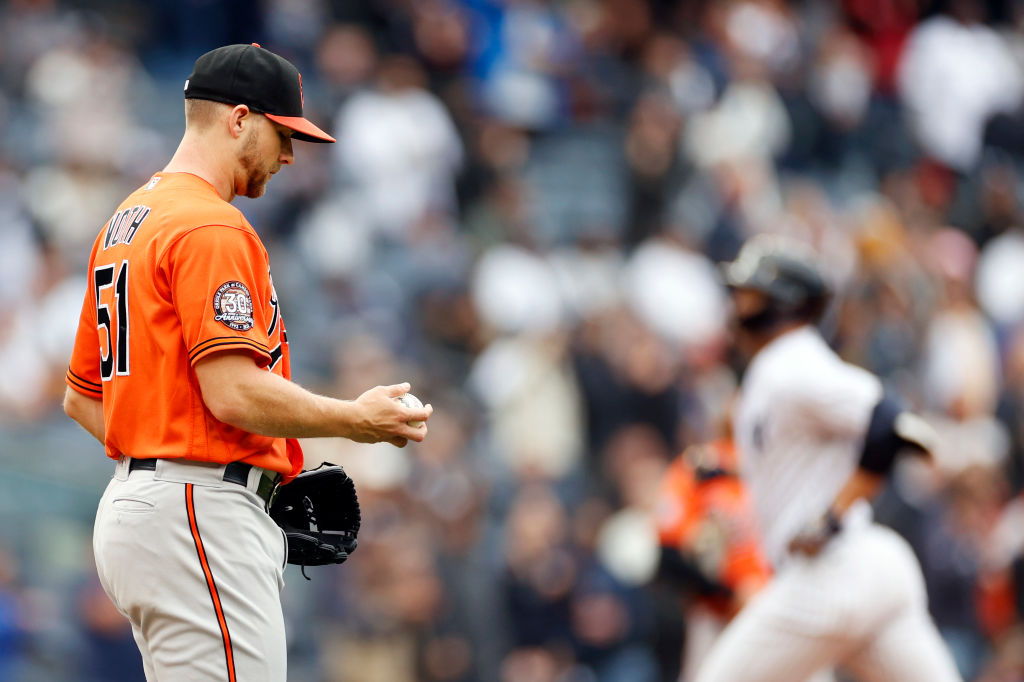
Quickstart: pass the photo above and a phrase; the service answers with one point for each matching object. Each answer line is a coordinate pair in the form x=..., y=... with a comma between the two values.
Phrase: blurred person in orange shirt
x=709, y=543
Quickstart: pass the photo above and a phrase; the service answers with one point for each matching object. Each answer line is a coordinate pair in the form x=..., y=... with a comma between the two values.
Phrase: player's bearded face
x=748, y=306
x=257, y=165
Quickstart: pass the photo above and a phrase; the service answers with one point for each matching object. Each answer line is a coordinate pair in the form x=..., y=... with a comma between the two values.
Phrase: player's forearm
x=239, y=393
x=862, y=484
x=86, y=411
x=270, y=405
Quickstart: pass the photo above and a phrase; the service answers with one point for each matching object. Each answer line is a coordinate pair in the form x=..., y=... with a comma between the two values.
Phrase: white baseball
x=411, y=401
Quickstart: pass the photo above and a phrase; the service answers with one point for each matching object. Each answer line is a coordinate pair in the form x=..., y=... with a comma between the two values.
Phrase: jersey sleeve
x=220, y=283
x=84, y=369
x=838, y=398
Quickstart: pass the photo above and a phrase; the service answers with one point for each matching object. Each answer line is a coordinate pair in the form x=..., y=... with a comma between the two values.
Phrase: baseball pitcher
x=181, y=370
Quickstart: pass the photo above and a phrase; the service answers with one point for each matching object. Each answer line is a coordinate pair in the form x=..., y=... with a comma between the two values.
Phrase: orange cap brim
x=304, y=130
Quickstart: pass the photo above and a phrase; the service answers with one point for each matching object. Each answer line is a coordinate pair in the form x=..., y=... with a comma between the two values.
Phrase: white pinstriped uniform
x=860, y=604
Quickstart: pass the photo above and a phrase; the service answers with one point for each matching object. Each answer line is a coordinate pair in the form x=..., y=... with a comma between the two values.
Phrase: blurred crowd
x=522, y=216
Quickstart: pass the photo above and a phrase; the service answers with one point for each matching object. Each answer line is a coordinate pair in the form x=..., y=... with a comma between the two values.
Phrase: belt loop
x=253, y=480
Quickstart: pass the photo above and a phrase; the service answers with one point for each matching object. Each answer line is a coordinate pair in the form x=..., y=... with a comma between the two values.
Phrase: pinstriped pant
x=196, y=565
x=859, y=605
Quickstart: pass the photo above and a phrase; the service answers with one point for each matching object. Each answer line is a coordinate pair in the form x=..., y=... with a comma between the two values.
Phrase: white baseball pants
x=703, y=628
x=860, y=605
x=196, y=565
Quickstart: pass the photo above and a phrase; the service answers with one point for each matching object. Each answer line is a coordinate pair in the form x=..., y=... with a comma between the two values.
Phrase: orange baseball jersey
x=176, y=275
x=712, y=518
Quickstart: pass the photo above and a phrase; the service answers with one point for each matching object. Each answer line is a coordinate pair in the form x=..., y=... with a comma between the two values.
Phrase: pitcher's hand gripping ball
x=319, y=513
x=411, y=401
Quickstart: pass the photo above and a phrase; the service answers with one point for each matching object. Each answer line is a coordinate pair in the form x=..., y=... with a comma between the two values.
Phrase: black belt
x=235, y=472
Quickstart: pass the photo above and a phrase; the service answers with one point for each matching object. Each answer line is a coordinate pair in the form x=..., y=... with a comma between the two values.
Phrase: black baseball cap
x=265, y=82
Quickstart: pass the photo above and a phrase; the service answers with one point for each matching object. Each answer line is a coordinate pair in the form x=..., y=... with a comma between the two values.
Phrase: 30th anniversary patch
x=232, y=306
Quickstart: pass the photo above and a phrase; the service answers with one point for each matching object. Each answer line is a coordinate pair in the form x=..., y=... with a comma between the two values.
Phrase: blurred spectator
x=761, y=32
x=520, y=52
x=671, y=65
x=540, y=570
x=961, y=364
x=953, y=547
x=346, y=58
x=954, y=74
x=748, y=122
x=441, y=33
x=652, y=151
x=530, y=398
x=609, y=628
x=840, y=85
x=628, y=379
x=883, y=26
x=997, y=279
x=675, y=292
x=397, y=150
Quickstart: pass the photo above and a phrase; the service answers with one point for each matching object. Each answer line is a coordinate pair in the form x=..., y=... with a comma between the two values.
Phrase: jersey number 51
x=115, y=351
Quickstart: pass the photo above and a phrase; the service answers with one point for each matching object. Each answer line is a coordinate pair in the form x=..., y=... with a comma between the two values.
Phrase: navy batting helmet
x=786, y=272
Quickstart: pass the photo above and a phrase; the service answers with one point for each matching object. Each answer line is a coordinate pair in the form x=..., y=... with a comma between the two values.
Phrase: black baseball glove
x=319, y=512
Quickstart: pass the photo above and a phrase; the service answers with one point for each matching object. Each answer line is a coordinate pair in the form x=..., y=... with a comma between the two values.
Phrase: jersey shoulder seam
x=244, y=228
